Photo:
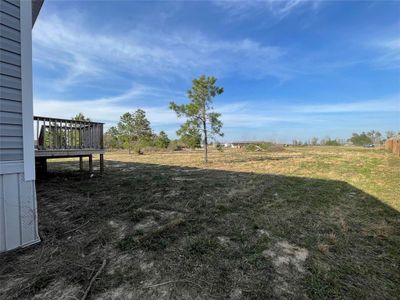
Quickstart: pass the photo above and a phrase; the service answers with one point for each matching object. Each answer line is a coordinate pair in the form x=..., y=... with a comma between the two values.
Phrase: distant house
x=18, y=215
x=242, y=144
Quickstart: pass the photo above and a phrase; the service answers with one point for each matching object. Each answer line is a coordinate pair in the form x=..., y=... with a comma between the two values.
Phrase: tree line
x=134, y=133
x=373, y=137
x=202, y=124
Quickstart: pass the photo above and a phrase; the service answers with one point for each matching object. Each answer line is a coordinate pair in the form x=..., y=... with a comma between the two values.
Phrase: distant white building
x=242, y=144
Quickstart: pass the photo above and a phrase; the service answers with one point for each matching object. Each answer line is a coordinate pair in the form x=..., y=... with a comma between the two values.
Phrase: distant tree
x=134, y=130
x=390, y=134
x=126, y=131
x=297, y=143
x=162, y=140
x=375, y=136
x=314, y=141
x=141, y=125
x=360, y=139
x=81, y=117
x=199, y=112
x=111, y=138
x=189, y=135
x=330, y=142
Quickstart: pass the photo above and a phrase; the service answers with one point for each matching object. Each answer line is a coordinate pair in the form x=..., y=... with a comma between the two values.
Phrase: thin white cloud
x=105, y=110
x=277, y=8
x=240, y=114
x=389, y=53
x=101, y=110
x=109, y=109
x=84, y=54
x=391, y=104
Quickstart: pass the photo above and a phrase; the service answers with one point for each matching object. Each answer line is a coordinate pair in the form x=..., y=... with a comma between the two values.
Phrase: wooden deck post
x=80, y=163
x=91, y=163
x=101, y=164
x=42, y=163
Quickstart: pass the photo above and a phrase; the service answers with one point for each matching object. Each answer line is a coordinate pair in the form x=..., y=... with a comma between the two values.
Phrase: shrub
x=261, y=146
x=219, y=146
x=332, y=143
x=252, y=147
x=276, y=148
x=360, y=139
x=174, y=146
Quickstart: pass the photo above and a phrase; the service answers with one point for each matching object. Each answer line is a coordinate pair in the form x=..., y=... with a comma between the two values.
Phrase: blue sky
x=291, y=69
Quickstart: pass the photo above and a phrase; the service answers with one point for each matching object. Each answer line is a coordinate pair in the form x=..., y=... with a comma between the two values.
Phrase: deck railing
x=65, y=134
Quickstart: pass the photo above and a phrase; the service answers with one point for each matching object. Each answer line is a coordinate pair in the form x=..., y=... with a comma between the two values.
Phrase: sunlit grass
x=374, y=171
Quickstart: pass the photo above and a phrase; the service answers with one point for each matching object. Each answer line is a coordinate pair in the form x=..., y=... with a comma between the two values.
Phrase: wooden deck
x=67, y=153
x=61, y=138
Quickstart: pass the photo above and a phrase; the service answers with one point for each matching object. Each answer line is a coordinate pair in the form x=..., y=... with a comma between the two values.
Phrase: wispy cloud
x=109, y=109
x=77, y=59
x=388, y=53
x=102, y=110
x=390, y=104
x=88, y=54
x=236, y=115
x=276, y=8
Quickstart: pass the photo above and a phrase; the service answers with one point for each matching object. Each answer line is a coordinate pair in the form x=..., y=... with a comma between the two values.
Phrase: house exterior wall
x=18, y=213
x=11, y=141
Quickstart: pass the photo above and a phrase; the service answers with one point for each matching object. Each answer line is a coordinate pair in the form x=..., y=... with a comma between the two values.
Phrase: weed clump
x=264, y=146
x=202, y=246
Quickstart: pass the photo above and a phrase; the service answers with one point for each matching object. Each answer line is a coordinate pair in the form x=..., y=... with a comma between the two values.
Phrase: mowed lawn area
x=311, y=222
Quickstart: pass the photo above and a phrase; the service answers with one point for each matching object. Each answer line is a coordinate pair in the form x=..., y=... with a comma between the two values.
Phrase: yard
x=320, y=222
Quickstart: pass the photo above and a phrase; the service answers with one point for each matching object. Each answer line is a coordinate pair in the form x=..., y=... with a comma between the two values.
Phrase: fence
x=393, y=145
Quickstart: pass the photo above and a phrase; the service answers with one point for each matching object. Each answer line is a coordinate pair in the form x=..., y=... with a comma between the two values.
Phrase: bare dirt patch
x=289, y=264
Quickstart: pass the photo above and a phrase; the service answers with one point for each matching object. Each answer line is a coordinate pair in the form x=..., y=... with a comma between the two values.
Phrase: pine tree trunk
x=205, y=143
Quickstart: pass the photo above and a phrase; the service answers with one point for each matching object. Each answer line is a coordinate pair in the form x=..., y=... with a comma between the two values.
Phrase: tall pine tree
x=199, y=111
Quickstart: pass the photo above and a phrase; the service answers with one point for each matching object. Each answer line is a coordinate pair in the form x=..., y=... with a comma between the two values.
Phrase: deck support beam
x=41, y=166
x=43, y=155
x=91, y=163
x=101, y=164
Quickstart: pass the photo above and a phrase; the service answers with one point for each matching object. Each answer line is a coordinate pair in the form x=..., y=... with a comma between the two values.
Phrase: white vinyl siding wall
x=11, y=131
x=18, y=212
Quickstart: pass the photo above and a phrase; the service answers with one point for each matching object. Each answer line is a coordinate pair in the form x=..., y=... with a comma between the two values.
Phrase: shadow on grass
x=177, y=232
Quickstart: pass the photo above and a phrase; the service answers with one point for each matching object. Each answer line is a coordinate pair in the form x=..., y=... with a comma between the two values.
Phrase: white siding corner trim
x=18, y=212
x=27, y=96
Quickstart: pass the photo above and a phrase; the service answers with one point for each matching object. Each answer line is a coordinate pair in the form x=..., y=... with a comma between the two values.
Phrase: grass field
x=316, y=223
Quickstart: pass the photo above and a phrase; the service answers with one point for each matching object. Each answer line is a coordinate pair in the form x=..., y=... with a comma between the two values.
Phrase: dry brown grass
x=318, y=223
x=374, y=171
